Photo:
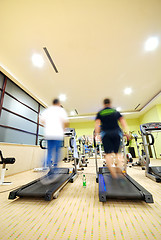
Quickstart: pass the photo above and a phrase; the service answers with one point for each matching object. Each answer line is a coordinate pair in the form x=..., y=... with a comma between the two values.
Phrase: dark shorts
x=111, y=141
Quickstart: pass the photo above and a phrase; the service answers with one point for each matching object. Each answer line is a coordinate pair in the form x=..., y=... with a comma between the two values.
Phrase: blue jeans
x=53, y=152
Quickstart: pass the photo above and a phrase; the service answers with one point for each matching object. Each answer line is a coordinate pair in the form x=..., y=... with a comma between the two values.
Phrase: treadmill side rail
x=13, y=194
x=153, y=176
x=102, y=188
x=148, y=198
x=73, y=178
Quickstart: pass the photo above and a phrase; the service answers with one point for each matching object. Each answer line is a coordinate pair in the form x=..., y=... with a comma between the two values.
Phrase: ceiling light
x=72, y=113
x=128, y=91
x=118, y=109
x=62, y=97
x=37, y=60
x=151, y=44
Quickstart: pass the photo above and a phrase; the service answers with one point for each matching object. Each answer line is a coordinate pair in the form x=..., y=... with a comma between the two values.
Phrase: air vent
x=137, y=106
x=50, y=59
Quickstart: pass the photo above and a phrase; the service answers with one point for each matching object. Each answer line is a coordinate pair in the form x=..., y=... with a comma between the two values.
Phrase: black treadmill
x=126, y=188
x=48, y=186
x=39, y=189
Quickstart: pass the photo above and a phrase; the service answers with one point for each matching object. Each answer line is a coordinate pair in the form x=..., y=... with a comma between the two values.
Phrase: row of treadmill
x=108, y=189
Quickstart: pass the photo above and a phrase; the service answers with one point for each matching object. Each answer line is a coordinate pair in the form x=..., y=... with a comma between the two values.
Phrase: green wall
x=83, y=128
x=159, y=111
x=152, y=115
x=87, y=127
x=133, y=124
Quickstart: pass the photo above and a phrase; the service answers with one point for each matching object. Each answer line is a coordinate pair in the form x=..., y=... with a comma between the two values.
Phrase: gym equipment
x=5, y=161
x=45, y=168
x=142, y=158
x=68, y=144
x=82, y=152
x=129, y=157
x=126, y=188
x=48, y=186
x=152, y=172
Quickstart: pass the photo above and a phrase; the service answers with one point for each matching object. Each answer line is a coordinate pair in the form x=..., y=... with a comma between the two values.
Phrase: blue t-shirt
x=109, y=119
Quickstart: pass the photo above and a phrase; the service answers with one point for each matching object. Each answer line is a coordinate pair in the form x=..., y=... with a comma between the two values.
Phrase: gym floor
x=77, y=212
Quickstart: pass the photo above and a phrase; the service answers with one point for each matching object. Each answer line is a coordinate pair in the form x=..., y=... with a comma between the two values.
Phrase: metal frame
x=144, y=133
x=103, y=189
x=52, y=193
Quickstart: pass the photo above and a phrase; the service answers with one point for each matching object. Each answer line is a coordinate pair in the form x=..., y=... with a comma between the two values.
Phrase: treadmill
x=152, y=172
x=127, y=188
x=48, y=186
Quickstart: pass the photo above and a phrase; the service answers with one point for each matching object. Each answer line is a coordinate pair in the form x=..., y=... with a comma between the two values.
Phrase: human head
x=56, y=102
x=107, y=102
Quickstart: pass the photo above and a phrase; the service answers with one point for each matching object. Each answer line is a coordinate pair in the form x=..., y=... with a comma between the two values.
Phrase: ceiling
x=96, y=45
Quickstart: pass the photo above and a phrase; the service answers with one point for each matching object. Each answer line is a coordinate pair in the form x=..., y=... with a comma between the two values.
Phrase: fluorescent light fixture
x=72, y=113
x=151, y=44
x=118, y=109
x=92, y=117
x=62, y=97
x=128, y=91
x=81, y=117
x=37, y=60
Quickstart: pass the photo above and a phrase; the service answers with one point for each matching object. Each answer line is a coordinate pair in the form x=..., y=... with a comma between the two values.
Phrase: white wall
x=27, y=157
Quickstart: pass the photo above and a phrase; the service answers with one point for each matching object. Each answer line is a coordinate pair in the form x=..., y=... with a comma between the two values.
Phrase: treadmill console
x=69, y=132
x=153, y=126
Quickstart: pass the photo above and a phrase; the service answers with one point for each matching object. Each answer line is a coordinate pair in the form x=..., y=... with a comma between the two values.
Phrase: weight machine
x=5, y=161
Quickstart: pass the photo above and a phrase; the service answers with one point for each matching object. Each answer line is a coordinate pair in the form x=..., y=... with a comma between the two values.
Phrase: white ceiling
x=97, y=46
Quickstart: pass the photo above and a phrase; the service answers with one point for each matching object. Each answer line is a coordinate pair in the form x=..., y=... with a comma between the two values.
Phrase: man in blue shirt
x=107, y=126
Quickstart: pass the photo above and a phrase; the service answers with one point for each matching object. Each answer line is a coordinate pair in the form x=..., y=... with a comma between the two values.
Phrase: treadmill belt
x=40, y=188
x=121, y=188
x=47, y=186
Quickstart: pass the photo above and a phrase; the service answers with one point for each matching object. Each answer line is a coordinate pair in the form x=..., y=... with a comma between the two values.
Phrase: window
x=19, y=122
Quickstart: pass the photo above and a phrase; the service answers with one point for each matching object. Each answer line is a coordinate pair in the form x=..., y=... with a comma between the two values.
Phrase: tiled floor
x=78, y=214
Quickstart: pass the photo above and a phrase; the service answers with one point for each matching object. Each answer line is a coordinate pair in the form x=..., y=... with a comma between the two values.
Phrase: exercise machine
x=51, y=190
x=152, y=172
x=5, y=161
x=68, y=144
x=44, y=168
x=82, y=152
x=110, y=189
x=142, y=158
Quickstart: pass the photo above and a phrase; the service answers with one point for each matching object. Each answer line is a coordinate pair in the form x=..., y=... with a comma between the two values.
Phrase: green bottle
x=84, y=181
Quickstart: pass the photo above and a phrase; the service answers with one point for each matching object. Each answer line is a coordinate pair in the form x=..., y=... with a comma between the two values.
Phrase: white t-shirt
x=54, y=118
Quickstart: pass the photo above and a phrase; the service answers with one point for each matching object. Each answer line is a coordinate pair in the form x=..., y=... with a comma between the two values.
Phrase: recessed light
x=151, y=44
x=118, y=109
x=72, y=113
x=62, y=97
x=128, y=91
x=37, y=60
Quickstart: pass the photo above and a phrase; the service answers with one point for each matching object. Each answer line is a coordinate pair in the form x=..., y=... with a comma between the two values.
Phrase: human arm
x=42, y=117
x=65, y=120
x=124, y=127
x=97, y=127
x=66, y=124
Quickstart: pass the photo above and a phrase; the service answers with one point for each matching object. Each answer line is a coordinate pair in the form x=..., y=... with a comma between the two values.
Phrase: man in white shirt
x=55, y=120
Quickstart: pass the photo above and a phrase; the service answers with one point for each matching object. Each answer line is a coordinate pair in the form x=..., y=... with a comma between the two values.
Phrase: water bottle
x=84, y=181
